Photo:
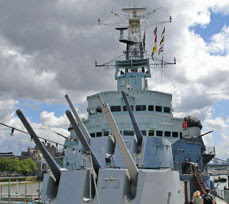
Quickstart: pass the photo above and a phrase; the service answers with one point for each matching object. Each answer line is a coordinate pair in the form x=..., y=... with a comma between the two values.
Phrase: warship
x=130, y=149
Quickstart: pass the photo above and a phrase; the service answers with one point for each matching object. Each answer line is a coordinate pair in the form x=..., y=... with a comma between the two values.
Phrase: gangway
x=199, y=180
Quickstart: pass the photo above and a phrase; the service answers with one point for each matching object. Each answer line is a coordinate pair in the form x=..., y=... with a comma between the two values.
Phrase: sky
x=48, y=49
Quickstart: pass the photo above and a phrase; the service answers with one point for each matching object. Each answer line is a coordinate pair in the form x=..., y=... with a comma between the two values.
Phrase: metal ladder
x=199, y=180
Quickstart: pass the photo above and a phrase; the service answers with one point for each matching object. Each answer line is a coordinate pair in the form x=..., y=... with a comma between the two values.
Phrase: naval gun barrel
x=81, y=125
x=131, y=166
x=83, y=141
x=47, y=156
x=134, y=122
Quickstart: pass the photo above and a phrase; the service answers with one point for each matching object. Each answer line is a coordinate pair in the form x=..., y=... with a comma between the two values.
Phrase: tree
x=10, y=165
x=27, y=166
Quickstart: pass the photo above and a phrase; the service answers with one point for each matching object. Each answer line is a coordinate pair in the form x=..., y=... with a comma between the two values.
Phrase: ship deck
x=220, y=201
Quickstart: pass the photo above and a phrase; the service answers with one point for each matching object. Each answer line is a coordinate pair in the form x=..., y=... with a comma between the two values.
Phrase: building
x=9, y=155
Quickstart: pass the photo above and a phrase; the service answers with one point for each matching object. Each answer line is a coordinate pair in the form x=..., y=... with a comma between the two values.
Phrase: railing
x=12, y=192
x=219, y=193
x=210, y=150
x=223, y=194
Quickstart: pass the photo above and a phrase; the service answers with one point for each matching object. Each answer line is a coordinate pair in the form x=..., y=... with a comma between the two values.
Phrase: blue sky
x=221, y=109
x=32, y=109
x=217, y=21
x=50, y=52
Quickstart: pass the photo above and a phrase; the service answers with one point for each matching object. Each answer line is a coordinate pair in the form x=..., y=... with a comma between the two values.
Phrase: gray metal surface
x=83, y=141
x=138, y=133
x=131, y=166
x=81, y=125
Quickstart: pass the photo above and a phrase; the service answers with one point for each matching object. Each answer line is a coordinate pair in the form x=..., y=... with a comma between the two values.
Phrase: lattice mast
x=134, y=41
x=133, y=71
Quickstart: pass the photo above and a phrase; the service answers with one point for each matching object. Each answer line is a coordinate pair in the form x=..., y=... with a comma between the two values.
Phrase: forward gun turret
x=130, y=164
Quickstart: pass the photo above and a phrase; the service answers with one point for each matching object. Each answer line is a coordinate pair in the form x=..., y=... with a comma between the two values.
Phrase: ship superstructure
x=130, y=149
x=152, y=109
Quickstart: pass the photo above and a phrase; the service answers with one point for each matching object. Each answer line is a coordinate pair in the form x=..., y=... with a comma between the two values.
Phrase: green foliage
x=26, y=166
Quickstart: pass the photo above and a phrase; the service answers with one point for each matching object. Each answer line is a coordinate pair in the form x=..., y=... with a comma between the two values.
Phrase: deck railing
x=223, y=194
x=210, y=150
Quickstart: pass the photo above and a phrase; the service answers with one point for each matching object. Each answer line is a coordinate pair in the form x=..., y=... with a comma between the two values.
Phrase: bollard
x=1, y=192
x=9, y=191
x=25, y=193
x=39, y=190
x=16, y=187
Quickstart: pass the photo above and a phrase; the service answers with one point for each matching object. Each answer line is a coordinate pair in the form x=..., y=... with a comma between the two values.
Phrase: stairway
x=199, y=180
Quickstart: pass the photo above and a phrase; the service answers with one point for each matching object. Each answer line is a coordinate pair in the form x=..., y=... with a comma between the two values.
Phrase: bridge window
x=122, y=71
x=167, y=134
x=166, y=109
x=143, y=132
x=180, y=134
x=150, y=108
x=92, y=134
x=159, y=133
x=91, y=111
x=125, y=109
x=158, y=108
x=151, y=132
x=105, y=133
x=128, y=132
x=99, y=109
x=175, y=134
x=115, y=108
x=99, y=134
x=141, y=108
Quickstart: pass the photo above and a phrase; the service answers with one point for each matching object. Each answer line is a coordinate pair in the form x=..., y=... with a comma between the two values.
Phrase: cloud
x=49, y=126
x=217, y=124
x=49, y=119
x=48, y=49
x=7, y=108
x=220, y=42
x=221, y=6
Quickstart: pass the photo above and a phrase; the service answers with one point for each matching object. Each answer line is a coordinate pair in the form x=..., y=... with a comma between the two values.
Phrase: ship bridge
x=132, y=74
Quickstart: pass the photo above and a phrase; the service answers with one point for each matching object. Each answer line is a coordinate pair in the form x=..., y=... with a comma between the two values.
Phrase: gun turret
x=137, y=131
x=47, y=156
x=83, y=141
x=81, y=125
x=131, y=166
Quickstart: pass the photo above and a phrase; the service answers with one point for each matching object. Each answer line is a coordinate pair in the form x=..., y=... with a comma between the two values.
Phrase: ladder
x=200, y=182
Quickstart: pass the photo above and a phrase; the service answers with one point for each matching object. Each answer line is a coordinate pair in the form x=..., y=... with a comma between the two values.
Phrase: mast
x=132, y=72
x=134, y=41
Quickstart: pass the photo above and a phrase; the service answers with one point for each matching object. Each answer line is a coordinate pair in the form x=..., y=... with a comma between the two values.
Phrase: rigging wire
x=45, y=140
x=107, y=63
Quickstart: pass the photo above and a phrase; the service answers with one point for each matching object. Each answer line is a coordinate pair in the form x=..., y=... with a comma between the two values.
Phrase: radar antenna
x=133, y=67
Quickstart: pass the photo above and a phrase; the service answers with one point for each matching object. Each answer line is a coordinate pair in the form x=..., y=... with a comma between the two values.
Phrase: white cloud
x=49, y=126
x=222, y=150
x=49, y=119
x=217, y=123
x=221, y=6
x=50, y=51
x=220, y=42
